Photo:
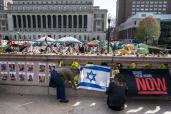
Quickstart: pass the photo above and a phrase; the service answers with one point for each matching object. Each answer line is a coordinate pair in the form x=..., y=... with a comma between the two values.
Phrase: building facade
x=3, y=17
x=32, y=19
x=128, y=28
x=127, y=8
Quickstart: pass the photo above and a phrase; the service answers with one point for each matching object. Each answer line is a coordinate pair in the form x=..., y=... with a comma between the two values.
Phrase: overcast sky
x=110, y=5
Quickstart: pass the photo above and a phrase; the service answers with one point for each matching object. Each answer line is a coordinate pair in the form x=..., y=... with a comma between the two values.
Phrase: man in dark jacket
x=116, y=95
x=57, y=80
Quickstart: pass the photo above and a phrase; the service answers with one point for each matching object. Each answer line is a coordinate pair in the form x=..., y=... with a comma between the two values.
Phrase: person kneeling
x=116, y=94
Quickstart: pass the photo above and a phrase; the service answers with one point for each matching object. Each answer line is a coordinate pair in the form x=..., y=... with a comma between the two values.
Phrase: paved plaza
x=24, y=104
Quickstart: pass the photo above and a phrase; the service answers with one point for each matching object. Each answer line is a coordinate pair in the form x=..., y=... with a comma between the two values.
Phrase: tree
x=149, y=29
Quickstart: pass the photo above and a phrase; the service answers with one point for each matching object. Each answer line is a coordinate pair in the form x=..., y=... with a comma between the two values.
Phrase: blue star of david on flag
x=91, y=76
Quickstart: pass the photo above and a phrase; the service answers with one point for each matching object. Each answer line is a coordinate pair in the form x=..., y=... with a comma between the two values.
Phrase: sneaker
x=64, y=101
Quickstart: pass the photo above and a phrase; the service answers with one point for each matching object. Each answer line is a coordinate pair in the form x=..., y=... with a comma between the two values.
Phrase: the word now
x=151, y=86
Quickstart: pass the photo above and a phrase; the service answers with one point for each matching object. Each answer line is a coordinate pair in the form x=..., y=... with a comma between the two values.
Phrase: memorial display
x=30, y=66
x=42, y=78
x=21, y=66
x=42, y=67
x=30, y=77
x=12, y=76
x=22, y=76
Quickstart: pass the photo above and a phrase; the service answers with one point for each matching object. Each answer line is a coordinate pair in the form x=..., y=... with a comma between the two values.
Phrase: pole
x=108, y=35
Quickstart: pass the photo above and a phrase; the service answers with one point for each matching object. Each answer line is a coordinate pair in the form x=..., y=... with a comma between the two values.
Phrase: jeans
x=60, y=92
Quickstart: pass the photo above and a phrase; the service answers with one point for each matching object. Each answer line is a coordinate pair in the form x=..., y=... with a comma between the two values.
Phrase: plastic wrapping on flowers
x=163, y=66
x=133, y=66
x=142, y=49
x=75, y=65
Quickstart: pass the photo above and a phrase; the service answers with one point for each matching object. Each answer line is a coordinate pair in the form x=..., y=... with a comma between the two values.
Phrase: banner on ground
x=147, y=82
x=94, y=78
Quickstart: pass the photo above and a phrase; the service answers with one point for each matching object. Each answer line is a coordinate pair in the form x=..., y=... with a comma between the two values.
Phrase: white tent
x=68, y=40
x=46, y=38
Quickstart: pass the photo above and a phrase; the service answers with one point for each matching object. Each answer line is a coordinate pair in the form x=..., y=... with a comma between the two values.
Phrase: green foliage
x=163, y=66
x=142, y=49
x=6, y=38
x=149, y=29
x=75, y=65
x=147, y=66
x=133, y=66
x=93, y=39
x=155, y=50
x=61, y=64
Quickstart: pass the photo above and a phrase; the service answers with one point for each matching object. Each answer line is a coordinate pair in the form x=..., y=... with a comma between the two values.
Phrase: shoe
x=64, y=101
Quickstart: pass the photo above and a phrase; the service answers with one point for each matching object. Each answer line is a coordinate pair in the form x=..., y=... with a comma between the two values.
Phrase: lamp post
x=18, y=36
x=109, y=20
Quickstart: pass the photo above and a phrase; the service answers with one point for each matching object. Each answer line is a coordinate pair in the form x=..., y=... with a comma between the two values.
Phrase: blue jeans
x=60, y=92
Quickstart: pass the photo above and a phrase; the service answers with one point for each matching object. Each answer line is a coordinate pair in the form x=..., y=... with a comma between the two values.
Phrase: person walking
x=57, y=81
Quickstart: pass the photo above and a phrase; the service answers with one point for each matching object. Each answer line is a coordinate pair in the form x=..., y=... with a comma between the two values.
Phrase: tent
x=92, y=43
x=68, y=40
x=46, y=38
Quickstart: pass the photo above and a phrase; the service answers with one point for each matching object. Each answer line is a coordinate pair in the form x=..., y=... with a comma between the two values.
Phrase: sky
x=110, y=5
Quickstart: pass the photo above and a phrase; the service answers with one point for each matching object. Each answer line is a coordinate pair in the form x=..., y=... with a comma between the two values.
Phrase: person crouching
x=57, y=81
x=116, y=93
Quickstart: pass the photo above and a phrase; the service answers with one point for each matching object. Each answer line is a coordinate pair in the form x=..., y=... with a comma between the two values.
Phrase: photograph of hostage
x=42, y=68
x=3, y=67
x=30, y=77
x=57, y=81
x=4, y=76
x=42, y=78
x=21, y=76
x=12, y=67
x=21, y=67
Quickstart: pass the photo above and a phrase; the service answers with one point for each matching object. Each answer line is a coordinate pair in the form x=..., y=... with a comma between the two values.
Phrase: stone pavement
x=26, y=104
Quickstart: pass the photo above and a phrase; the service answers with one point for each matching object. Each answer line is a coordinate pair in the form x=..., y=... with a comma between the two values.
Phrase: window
x=98, y=37
x=85, y=37
x=135, y=23
x=147, y=2
x=165, y=2
x=160, y=2
x=151, y=5
x=164, y=6
x=156, y=2
x=143, y=15
x=160, y=6
x=98, y=22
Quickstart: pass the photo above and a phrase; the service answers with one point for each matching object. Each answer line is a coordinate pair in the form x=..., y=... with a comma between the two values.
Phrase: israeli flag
x=94, y=78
